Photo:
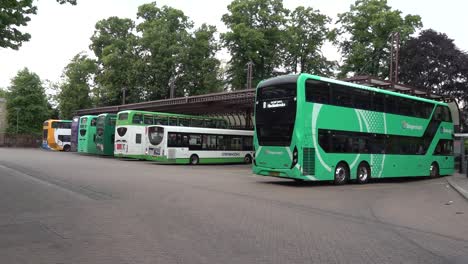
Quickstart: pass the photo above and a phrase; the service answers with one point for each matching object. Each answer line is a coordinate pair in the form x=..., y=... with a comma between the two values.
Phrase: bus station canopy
x=236, y=106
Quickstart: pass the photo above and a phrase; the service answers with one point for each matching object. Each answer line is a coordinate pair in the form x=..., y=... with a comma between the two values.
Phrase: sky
x=59, y=32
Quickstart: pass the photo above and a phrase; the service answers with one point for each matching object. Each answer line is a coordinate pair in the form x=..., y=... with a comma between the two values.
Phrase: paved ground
x=460, y=183
x=67, y=208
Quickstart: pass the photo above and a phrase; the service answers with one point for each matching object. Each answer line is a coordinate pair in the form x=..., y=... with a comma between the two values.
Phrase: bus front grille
x=309, y=161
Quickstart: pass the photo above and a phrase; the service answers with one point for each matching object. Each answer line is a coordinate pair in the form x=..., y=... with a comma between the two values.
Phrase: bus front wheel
x=434, y=170
x=194, y=160
x=248, y=159
x=341, y=174
x=66, y=148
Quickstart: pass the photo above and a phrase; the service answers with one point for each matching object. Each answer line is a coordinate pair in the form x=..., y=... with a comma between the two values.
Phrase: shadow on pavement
x=293, y=183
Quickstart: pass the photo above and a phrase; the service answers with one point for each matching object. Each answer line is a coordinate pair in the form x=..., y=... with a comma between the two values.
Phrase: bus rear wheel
x=363, y=173
x=248, y=159
x=66, y=148
x=434, y=170
x=194, y=160
x=341, y=174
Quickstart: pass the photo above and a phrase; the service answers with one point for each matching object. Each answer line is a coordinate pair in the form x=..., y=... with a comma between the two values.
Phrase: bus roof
x=168, y=114
x=58, y=120
x=295, y=77
x=107, y=114
x=205, y=130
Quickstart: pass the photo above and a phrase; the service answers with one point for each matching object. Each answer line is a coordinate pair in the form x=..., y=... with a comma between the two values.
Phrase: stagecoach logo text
x=274, y=104
x=273, y=152
x=230, y=154
x=405, y=125
x=446, y=130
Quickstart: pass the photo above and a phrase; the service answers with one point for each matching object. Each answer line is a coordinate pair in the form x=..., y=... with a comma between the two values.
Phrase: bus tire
x=341, y=175
x=194, y=160
x=248, y=159
x=363, y=173
x=434, y=170
x=66, y=148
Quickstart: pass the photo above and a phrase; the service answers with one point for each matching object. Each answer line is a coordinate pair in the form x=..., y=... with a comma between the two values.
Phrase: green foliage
x=256, y=29
x=3, y=93
x=164, y=36
x=114, y=44
x=198, y=72
x=26, y=101
x=365, y=31
x=13, y=15
x=432, y=61
x=75, y=90
x=306, y=32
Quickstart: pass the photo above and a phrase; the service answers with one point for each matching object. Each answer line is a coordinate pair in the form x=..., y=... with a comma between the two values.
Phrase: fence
x=20, y=140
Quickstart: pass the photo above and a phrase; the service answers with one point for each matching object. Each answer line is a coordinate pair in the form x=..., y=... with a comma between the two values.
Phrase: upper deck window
x=123, y=116
x=359, y=98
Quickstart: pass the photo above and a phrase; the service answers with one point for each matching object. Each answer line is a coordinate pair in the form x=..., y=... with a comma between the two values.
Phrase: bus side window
x=93, y=121
x=405, y=107
x=221, y=143
x=342, y=95
x=362, y=99
x=438, y=113
x=317, y=92
x=137, y=119
x=391, y=105
x=160, y=120
x=378, y=102
x=148, y=120
x=173, y=121
x=248, y=143
x=185, y=141
x=195, y=142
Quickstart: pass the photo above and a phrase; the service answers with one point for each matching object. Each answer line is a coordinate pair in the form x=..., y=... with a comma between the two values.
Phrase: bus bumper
x=294, y=173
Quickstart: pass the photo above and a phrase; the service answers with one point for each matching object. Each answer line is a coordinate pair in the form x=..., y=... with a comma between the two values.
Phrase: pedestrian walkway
x=460, y=183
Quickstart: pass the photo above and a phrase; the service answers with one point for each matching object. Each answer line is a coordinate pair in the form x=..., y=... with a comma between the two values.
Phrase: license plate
x=274, y=173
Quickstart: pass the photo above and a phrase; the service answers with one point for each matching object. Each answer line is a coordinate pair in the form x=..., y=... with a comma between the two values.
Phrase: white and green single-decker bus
x=195, y=145
x=313, y=128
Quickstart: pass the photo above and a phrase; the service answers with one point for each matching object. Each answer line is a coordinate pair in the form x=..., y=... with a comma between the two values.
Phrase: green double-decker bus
x=105, y=134
x=313, y=128
x=131, y=128
x=87, y=134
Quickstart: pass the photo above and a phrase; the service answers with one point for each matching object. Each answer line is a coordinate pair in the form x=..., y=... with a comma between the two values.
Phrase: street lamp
x=17, y=118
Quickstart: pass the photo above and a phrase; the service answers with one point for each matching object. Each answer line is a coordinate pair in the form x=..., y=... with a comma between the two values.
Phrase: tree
x=75, y=91
x=13, y=15
x=26, y=103
x=199, y=70
x=114, y=44
x=256, y=29
x=164, y=34
x=366, y=29
x=3, y=93
x=432, y=61
x=306, y=33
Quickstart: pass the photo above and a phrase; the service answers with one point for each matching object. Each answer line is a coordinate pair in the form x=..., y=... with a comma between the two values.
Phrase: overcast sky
x=61, y=31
